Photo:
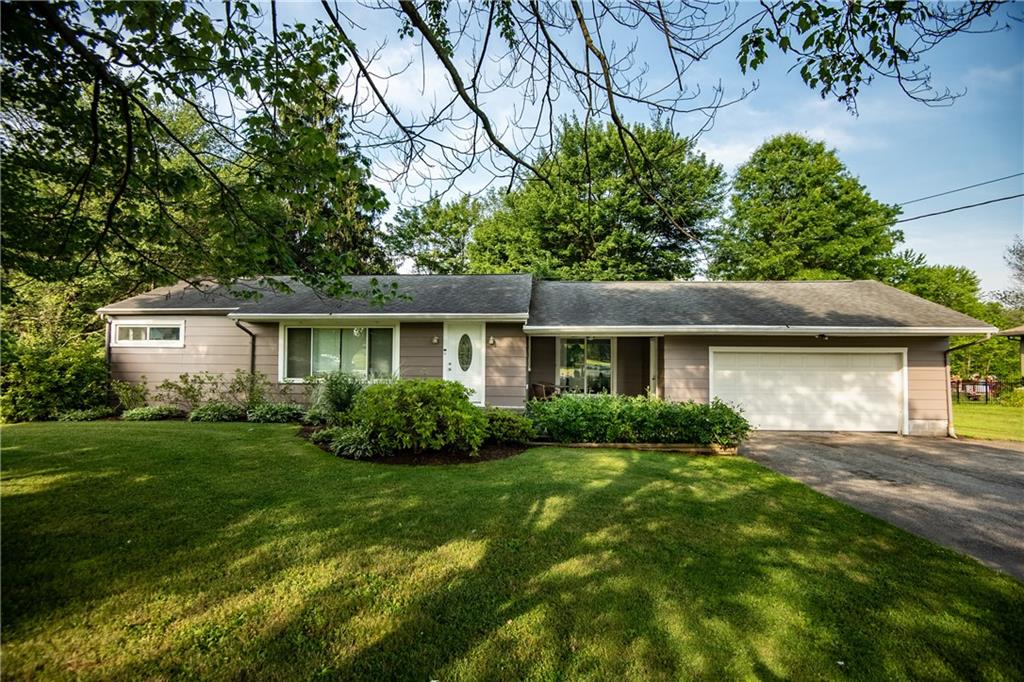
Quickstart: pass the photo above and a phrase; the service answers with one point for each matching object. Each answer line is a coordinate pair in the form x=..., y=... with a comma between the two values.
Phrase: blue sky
x=900, y=149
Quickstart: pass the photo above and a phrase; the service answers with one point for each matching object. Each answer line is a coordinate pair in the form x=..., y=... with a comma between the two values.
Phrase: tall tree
x=115, y=141
x=434, y=237
x=85, y=76
x=590, y=220
x=796, y=212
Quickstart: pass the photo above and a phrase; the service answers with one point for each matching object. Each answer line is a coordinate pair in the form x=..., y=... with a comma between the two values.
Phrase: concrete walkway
x=965, y=494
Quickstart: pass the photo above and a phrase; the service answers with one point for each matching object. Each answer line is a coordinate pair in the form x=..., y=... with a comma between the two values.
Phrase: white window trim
x=904, y=417
x=614, y=389
x=282, y=343
x=116, y=324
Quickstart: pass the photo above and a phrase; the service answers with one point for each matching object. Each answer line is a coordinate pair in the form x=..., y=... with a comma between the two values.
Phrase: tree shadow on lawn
x=228, y=558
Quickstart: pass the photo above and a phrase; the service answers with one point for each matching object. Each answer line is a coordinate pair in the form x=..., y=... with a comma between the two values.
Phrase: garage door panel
x=812, y=391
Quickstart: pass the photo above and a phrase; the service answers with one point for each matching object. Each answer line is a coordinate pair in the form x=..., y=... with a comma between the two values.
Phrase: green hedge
x=277, y=413
x=41, y=380
x=153, y=413
x=506, y=427
x=620, y=419
x=414, y=415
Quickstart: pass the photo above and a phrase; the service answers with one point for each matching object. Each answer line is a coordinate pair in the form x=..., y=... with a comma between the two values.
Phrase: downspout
x=950, y=431
x=252, y=346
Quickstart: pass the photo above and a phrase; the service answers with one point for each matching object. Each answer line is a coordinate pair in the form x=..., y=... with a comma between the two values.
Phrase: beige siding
x=418, y=355
x=506, y=365
x=542, y=359
x=686, y=365
x=212, y=344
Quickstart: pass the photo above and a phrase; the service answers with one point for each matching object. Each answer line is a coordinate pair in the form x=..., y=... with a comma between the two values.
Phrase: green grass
x=990, y=422
x=163, y=550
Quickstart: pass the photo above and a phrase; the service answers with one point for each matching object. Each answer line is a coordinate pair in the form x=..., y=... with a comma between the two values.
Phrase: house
x=829, y=355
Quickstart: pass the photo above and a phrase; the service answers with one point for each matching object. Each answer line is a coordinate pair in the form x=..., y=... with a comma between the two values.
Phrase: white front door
x=464, y=356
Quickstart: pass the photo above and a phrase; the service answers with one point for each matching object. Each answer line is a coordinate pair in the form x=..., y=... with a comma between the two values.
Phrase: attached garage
x=796, y=389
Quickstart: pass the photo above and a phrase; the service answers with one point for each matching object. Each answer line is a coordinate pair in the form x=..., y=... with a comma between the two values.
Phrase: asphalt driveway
x=965, y=494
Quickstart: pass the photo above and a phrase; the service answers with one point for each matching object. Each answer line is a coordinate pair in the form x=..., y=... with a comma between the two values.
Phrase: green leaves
x=797, y=212
x=595, y=219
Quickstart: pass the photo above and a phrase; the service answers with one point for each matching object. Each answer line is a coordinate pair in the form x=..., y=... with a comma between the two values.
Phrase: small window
x=465, y=352
x=145, y=333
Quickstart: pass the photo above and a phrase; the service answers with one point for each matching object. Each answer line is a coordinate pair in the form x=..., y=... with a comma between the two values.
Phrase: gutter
x=252, y=346
x=950, y=430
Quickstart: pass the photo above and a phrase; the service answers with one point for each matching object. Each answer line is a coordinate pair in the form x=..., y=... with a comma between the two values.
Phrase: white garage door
x=812, y=391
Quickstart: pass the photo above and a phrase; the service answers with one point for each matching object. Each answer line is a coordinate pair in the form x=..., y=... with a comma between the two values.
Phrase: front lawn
x=164, y=550
x=990, y=422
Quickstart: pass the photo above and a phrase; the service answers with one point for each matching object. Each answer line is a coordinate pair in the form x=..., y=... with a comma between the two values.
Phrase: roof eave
x=757, y=330
x=401, y=317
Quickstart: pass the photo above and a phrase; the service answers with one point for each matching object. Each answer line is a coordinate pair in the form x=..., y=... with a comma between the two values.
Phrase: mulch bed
x=487, y=453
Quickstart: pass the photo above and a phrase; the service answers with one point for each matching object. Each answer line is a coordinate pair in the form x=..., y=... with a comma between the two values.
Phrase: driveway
x=965, y=494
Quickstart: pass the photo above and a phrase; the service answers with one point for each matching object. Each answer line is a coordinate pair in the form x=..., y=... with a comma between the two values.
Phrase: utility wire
x=960, y=189
x=958, y=208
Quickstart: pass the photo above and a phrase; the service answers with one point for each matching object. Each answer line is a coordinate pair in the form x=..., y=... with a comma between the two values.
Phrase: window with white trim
x=312, y=351
x=585, y=365
x=148, y=333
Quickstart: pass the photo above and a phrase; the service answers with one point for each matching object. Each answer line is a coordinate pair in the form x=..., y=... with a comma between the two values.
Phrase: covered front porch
x=616, y=365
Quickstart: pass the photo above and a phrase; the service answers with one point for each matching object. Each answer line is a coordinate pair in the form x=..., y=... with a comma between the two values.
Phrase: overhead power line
x=959, y=208
x=961, y=189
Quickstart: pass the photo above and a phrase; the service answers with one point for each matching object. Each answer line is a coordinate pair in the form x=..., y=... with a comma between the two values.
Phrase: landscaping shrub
x=88, y=415
x=507, y=427
x=640, y=419
x=217, y=411
x=333, y=395
x=130, y=396
x=40, y=380
x=356, y=442
x=190, y=390
x=247, y=389
x=152, y=413
x=325, y=436
x=1014, y=398
x=276, y=413
x=413, y=415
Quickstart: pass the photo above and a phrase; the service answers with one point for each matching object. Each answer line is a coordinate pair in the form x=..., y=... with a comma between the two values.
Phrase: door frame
x=483, y=356
x=903, y=419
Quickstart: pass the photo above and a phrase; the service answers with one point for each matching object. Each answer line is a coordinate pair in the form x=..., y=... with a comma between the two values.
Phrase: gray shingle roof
x=831, y=304
x=772, y=304
x=418, y=295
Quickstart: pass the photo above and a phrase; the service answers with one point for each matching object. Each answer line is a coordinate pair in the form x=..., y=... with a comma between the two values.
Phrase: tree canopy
x=797, y=212
x=591, y=221
x=91, y=89
x=434, y=236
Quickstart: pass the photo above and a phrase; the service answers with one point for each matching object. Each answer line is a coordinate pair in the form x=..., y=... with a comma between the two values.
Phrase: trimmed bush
x=217, y=412
x=277, y=413
x=89, y=415
x=247, y=389
x=41, y=380
x=414, y=415
x=153, y=413
x=507, y=427
x=129, y=395
x=333, y=396
x=355, y=442
x=325, y=436
x=1014, y=398
x=641, y=419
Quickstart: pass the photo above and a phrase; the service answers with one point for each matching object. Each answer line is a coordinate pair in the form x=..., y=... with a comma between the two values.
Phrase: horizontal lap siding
x=506, y=374
x=418, y=355
x=685, y=372
x=212, y=344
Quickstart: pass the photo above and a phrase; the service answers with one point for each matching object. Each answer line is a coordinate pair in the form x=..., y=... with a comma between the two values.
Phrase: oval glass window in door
x=465, y=352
